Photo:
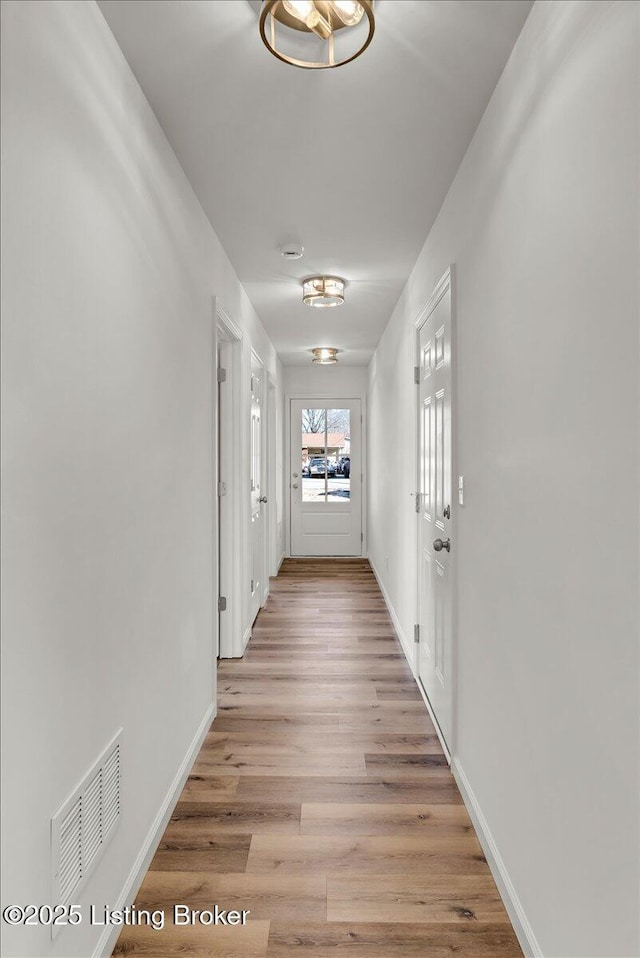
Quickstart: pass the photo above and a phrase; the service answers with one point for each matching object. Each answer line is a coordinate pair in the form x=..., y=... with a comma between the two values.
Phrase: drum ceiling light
x=323, y=291
x=317, y=34
x=324, y=355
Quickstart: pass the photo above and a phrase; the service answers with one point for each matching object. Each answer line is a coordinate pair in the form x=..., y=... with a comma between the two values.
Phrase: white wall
x=541, y=223
x=109, y=269
x=346, y=382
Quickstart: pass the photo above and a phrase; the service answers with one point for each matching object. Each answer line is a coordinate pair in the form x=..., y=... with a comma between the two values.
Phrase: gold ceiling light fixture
x=317, y=34
x=324, y=355
x=323, y=291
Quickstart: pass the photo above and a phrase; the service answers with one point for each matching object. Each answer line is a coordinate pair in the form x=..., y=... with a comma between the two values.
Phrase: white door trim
x=273, y=555
x=233, y=556
x=256, y=361
x=322, y=394
x=445, y=284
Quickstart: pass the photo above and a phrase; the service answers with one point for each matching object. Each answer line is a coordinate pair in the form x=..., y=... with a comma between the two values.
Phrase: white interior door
x=434, y=505
x=257, y=498
x=220, y=492
x=232, y=473
x=325, y=477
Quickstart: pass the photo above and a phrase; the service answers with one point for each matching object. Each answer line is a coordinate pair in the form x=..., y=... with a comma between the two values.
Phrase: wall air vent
x=83, y=825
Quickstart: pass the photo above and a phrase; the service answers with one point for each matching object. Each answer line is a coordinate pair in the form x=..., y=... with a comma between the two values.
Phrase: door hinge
x=222, y=375
x=362, y=537
x=416, y=375
x=222, y=603
x=222, y=488
x=252, y=587
x=252, y=382
x=416, y=633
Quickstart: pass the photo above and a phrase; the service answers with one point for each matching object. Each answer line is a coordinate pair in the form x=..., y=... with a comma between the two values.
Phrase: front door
x=325, y=477
x=256, y=551
x=434, y=505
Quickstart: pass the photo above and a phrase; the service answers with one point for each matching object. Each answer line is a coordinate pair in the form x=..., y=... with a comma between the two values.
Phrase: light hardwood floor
x=321, y=800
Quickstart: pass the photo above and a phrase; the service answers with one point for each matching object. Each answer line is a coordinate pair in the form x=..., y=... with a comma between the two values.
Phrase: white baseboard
x=109, y=936
x=432, y=716
x=512, y=903
x=245, y=640
x=282, y=558
x=408, y=649
x=407, y=646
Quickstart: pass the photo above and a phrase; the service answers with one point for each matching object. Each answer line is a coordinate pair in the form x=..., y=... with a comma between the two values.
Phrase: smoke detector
x=292, y=251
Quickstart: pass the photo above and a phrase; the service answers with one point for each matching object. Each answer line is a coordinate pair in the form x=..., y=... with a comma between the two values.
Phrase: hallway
x=258, y=309
x=321, y=799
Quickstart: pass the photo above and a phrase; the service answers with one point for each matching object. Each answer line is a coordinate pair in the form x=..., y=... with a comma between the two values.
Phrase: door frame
x=229, y=538
x=256, y=360
x=325, y=397
x=445, y=284
x=271, y=481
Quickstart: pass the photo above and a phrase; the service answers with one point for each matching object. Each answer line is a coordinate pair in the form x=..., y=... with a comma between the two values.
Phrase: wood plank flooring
x=321, y=800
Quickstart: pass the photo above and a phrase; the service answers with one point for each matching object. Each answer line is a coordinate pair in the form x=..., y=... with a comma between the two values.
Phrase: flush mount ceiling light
x=323, y=291
x=324, y=355
x=317, y=34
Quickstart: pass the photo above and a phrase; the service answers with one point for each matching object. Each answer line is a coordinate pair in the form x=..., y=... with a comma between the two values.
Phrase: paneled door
x=256, y=551
x=434, y=507
x=325, y=477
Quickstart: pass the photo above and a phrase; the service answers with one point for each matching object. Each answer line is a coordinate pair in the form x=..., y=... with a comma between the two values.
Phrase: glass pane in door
x=338, y=455
x=314, y=455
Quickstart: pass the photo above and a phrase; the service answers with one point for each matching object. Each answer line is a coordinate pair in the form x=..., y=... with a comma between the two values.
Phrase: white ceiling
x=353, y=163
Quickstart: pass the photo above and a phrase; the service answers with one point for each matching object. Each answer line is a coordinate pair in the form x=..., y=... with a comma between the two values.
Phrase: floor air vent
x=83, y=825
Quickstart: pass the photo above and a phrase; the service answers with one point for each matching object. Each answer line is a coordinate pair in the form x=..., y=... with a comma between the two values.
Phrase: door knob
x=262, y=499
x=439, y=545
x=295, y=485
x=295, y=475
